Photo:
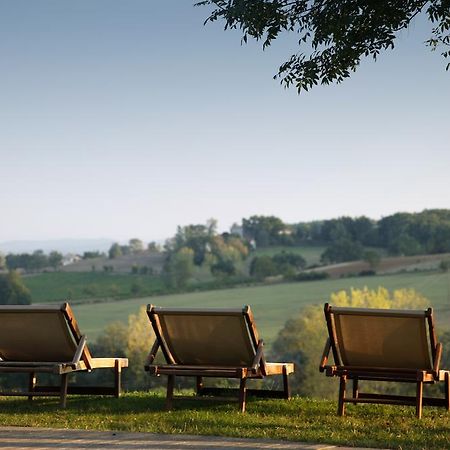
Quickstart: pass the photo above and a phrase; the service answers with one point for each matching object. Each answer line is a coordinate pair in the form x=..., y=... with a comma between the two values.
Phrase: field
x=273, y=304
x=77, y=286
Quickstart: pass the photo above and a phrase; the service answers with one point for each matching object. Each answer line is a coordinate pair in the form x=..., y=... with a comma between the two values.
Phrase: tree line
x=346, y=237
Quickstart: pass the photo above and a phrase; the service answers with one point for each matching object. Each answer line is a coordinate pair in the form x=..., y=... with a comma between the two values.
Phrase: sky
x=122, y=119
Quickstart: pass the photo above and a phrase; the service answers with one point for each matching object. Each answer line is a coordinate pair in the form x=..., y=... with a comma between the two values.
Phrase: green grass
x=300, y=419
x=272, y=304
x=59, y=286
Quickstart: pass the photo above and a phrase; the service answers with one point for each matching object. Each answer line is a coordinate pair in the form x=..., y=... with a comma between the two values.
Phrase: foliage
x=179, y=268
x=302, y=339
x=114, y=251
x=55, y=260
x=26, y=261
x=132, y=341
x=13, y=291
x=311, y=276
x=2, y=261
x=373, y=258
x=92, y=254
x=262, y=267
x=333, y=37
x=136, y=246
x=285, y=263
x=264, y=230
x=342, y=250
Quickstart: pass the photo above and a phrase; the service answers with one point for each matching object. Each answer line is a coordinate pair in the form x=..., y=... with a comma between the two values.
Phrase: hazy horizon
x=128, y=119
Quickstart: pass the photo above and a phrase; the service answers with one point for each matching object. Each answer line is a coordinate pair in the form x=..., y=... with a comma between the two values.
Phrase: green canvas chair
x=384, y=345
x=221, y=343
x=46, y=339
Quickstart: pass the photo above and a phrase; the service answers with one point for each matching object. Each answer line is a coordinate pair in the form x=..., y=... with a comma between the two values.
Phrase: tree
x=115, y=251
x=55, y=260
x=136, y=245
x=265, y=230
x=373, y=258
x=341, y=251
x=303, y=337
x=333, y=36
x=179, y=268
x=13, y=291
x=2, y=261
x=262, y=267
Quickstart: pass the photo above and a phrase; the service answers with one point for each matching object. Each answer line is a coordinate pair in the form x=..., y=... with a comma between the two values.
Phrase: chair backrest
x=385, y=338
x=38, y=333
x=205, y=337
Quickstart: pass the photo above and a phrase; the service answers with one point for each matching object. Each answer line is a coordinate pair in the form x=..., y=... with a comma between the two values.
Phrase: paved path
x=46, y=438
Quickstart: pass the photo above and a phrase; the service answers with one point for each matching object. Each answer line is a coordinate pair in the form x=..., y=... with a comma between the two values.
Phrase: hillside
x=273, y=304
x=386, y=265
x=122, y=264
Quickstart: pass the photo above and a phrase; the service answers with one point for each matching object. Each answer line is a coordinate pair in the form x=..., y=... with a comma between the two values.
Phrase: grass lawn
x=272, y=304
x=59, y=286
x=299, y=420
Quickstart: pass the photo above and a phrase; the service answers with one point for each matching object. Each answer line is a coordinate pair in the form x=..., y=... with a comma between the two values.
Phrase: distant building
x=70, y=258
x=237, y=229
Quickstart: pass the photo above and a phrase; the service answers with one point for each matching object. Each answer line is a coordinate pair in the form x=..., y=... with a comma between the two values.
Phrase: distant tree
x=265, y=230
x=288, y=260
x=136, y=245
x=179, y=268
x=55, y=259
x=302, y=338
x=223, y=268
x=92, y=254
x=13, y=291
x=342, y=250
x=333, y=36
x=262, y=267
x=373, y=258
x=2, y=261
x=115, y=251
x=153, y=247
x=444, y=265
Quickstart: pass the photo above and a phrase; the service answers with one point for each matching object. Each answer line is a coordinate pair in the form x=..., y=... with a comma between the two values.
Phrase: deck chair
x=384, y=345
x=46, y=339
x=221, y=343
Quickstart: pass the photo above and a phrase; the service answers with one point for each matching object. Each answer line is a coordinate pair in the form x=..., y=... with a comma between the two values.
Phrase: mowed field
x=272, y=304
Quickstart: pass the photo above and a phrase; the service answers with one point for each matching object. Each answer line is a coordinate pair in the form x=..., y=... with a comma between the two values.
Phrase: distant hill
x=60, y=245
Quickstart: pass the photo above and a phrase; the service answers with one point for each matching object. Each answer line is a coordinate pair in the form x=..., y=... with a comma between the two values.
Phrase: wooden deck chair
x=46, y=339
x=221, y=343
x=384, y=345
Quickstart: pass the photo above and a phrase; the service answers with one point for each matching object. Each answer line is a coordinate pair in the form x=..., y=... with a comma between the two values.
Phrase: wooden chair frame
x=258, y=370
x=82, y=361
x=418, y=376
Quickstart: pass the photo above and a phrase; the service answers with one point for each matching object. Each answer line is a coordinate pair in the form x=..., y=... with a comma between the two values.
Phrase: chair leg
x=341, y=404
x=117, y=379
x=419, y=399
x=63, y=390
x=242, y=395
x=31, y=384
x=286, y=386
x=355, y=388
x=447, y=390
x=169, y=394
x=199, y=385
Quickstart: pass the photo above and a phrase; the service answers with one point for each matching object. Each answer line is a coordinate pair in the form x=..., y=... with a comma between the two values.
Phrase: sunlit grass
x=299, y=420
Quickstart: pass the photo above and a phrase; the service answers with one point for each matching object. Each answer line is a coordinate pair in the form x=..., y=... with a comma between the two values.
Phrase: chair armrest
x=152, y=355
x=79, y=352
x=437, y=359
x=258, y=356
x=325, y=355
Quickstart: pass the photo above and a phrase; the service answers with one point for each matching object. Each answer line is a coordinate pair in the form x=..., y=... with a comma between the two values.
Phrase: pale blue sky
x=127, y=118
